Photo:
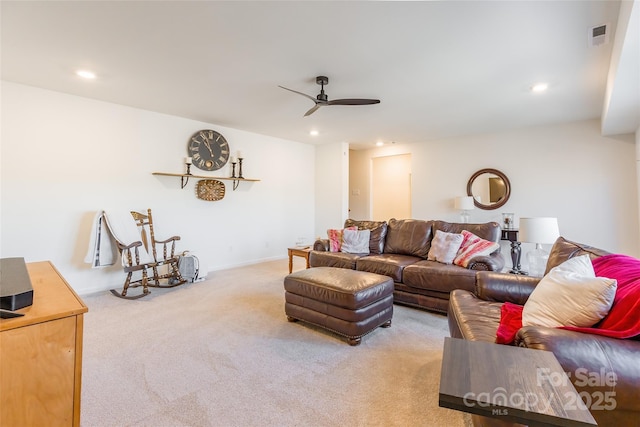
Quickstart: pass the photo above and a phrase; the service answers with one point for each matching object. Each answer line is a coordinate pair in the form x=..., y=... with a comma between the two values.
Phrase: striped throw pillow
x=473, y=246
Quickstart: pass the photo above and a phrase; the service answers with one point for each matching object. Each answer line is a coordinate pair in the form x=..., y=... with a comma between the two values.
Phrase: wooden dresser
x=41, y=355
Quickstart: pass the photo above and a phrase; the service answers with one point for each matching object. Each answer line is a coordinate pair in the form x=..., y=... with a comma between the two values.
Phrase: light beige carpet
x=221, y=353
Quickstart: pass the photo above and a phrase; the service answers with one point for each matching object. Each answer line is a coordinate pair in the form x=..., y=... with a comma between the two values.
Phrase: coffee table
x=513, y=384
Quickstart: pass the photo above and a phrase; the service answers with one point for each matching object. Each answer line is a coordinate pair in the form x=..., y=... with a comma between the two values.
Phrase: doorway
x=391, y=187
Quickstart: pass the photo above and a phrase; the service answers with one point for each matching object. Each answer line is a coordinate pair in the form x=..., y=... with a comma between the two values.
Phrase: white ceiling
x=440, y=68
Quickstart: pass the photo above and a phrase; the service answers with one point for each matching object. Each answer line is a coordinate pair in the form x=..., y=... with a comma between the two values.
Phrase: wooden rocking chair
x=142, y=256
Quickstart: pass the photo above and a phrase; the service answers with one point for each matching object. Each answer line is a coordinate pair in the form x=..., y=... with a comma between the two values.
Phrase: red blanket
x=622, y=321
x=510, y=322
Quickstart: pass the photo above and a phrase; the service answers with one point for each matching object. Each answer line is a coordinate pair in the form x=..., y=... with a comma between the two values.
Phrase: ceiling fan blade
x=299, y=93
x=353, y=101
x=322, y=99
x=313, y=109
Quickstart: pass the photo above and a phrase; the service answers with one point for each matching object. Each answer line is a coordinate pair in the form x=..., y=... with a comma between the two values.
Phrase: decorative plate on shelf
x=210, y=190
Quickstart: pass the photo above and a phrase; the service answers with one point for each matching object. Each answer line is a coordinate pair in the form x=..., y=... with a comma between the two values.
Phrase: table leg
x=290, y=261
x=516, y=252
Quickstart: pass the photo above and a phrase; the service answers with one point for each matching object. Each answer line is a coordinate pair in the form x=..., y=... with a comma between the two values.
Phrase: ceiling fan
x=322, y=99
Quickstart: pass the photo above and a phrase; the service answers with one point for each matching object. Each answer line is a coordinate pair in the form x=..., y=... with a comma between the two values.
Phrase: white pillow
x=570, y=295
x=444, y=247
x=355, y=241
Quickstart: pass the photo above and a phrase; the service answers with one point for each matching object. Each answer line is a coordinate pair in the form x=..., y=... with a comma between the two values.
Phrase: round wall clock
x=208, y=150
x=210, y=190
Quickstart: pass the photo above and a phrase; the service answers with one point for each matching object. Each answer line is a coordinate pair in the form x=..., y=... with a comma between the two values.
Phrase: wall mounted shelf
x=184, y=178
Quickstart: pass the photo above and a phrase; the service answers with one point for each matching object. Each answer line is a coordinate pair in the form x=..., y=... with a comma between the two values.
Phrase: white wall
x=567, y=171
x=391, y=187
x=359, y=184
x=332, y=186
x=65, y=157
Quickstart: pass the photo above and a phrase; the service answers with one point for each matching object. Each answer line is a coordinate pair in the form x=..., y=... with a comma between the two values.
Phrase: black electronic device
x=16, y=291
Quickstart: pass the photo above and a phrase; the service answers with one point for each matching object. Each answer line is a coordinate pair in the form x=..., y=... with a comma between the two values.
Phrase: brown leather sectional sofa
x=475, y=315
x=399, y=248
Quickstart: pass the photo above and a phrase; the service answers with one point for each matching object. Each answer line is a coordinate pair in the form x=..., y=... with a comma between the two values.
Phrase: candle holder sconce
x=183, y=181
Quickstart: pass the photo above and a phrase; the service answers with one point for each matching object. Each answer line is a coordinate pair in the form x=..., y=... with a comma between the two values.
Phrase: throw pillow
x=378, y=233
x=444, y=247
x=355, y=241
x=335, y=238
x=473, y=246
x=570, y=295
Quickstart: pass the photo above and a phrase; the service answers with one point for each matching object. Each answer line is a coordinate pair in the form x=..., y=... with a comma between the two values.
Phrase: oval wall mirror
x=489, y=188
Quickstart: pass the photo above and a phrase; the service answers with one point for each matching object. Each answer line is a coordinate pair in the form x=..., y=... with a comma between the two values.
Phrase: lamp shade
x=538, y=230
x=464, y=203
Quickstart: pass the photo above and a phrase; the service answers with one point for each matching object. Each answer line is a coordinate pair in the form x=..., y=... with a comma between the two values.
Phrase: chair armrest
x=167, y=255
x=128, y=247
x=590, y=361
x=169, y=240
x=493, y=262
x=503, y=287
x=131, y=256
x=321, y=245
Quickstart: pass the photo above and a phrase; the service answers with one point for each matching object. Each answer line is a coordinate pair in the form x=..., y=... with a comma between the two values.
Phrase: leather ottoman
x=347, y=302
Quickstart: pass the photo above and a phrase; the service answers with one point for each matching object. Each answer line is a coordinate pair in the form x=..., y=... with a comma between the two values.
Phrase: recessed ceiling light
x=314, y=133
x=539, y=87
x=86, y=74
x=379, y=143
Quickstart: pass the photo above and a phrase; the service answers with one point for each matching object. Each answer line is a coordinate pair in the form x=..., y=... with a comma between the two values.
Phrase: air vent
x=599, y=35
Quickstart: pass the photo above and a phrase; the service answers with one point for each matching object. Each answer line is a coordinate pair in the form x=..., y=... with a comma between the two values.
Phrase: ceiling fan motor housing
x=322, y=80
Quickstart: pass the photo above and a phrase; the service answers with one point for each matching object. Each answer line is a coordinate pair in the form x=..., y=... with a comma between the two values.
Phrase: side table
x=41, y=353
x=301, y=251
x=512, y=384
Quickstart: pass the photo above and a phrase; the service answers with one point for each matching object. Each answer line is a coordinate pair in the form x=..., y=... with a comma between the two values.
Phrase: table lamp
x=464, y=204
x=539, y=231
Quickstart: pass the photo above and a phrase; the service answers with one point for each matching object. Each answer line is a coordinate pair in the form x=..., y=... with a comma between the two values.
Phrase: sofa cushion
x=378, y=233
x=408, y=237
x=333, y=259
x=570, y=295
x=439, y=277
x=488, y=230
x=472, y=318
x=390, y=265
x=444, y=247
